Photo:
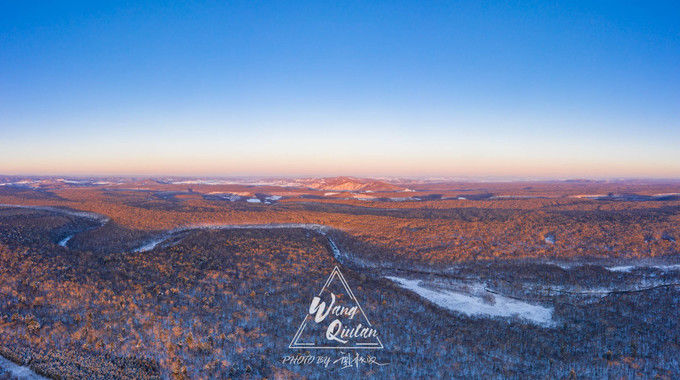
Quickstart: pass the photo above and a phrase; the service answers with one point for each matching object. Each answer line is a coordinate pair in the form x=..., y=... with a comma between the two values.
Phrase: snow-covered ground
x=248, y=197
x=622, y=268
x=629, y=268
x=229, y=196
x=615, y=268
x=65, y=240
x=18, y=371
x=589, y=196
x=474, y=304
x=24, y=183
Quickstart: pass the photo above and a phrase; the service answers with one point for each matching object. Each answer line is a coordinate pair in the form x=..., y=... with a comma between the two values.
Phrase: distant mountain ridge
x=348, y=184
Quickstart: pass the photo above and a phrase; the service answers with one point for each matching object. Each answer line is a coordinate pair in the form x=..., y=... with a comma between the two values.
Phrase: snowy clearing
x=18, y=371
x=473, y=305
x=65, y=240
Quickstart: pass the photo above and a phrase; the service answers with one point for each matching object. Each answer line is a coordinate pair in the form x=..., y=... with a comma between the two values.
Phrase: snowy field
x=478, y=302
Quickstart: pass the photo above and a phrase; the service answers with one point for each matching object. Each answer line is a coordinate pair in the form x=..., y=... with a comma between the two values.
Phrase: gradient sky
x=478, y=88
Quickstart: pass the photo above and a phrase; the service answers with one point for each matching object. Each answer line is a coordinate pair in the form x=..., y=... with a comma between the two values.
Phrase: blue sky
x=526, y=89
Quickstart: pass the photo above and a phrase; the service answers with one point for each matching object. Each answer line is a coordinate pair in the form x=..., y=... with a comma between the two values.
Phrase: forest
x=80, y=299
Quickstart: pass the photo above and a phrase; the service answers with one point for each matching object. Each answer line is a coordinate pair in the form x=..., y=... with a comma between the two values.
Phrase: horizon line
x=443, y=178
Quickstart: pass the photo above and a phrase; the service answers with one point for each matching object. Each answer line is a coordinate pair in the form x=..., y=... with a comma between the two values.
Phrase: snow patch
x=622, y=268
x=475, y=305
x=630, y=268
x=18, y=371
x=589, y=196
x=64, y=241
x=668, y=267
